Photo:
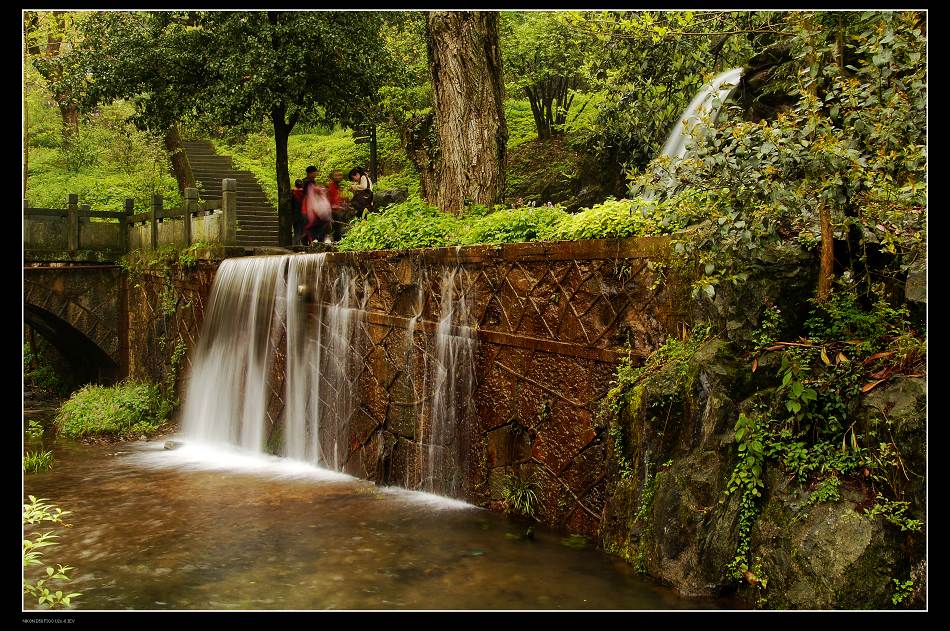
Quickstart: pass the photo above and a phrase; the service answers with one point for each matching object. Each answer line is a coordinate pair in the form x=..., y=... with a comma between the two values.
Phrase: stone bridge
x=81, y=309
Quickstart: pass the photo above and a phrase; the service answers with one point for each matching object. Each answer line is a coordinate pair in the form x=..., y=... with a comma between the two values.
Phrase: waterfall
x=323, y=349
x=445, y=445
x=706, y=103
x=301, y=414
x=309, y=315
x=227, y=395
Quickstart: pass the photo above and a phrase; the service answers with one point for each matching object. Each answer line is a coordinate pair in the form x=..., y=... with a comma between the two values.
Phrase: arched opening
x=87, y=362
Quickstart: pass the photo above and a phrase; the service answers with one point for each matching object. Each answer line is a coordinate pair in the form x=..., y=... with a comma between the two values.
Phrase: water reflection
x=193, y=529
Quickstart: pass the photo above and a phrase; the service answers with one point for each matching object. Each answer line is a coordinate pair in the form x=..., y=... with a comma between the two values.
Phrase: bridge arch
x=79, y=310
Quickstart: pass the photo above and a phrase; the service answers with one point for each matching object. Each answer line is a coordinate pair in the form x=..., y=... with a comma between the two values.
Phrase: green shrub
x=409, y=224
x=616, y=218
x=515, y=225
x=35, y=461
x=44, y=378
x=125, y=410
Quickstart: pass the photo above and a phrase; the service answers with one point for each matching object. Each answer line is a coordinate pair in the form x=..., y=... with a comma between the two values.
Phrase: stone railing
x=57, y=230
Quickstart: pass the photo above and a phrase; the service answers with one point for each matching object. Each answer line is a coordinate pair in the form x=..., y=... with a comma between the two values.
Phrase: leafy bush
x=520, y=121
x=35, y=461
x=415, y=224
x=45, y=378
x=409, y=224
x=514, y=225
x=617, y=218
x=125, y=410
x=40, y=371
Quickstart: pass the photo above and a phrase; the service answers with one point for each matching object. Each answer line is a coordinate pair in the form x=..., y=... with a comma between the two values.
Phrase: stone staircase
x=257, y=218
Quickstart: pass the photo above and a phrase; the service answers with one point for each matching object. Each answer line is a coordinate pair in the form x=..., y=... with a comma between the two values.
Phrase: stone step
x=207, y=158
x=258, y=244
x=215, y=184
x=215, y=180
x=241, y=195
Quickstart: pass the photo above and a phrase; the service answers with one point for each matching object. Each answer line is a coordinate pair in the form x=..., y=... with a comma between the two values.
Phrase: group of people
x=321, y=211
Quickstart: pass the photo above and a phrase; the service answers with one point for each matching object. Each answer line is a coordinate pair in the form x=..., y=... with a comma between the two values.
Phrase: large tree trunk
x=282, y=131
x=180, y=164
x=467, y=91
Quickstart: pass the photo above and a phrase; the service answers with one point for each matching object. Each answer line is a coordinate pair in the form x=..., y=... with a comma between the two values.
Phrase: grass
x=126, y=410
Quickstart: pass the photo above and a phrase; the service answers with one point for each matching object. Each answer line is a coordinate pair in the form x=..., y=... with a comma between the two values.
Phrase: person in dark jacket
x=296, y=202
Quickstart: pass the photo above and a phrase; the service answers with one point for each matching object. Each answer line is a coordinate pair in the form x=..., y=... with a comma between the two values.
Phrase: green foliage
x=650, y=64
x=45, y=378
x=828, y=490
x=644, y=515
x=544, y=52
x=616, y=434
x=673, y=356
x=747, y=481
x=809, y=427
x=520, y=495
x=520, y=122
x=107, y=162
x=514, y=225
x=35, y=512
x=902, y=590
x=851, y=141
x=126, y=410
x=895, y=513
x=409, y=224
x=36, y=461
x=614, y=219
x=34, y=430
x=841, y=317
x=40, y=370
x=415, y=224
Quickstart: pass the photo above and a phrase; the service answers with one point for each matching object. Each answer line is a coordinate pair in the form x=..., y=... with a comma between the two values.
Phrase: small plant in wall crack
x=520, y=495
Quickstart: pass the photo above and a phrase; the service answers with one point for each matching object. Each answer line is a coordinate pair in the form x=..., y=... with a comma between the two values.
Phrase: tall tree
x=545, y=57
x=241, y=67
x=467, y=94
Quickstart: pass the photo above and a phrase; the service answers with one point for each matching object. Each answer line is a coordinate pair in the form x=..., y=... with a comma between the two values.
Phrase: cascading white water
x=256, y=301
x=322, y=349
x=302, y=411
x=705, y=104
x=446, y=443
x=227, y=394
x=340, y=352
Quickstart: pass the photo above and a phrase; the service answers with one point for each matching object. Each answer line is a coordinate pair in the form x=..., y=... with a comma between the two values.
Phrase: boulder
x=384, y=198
